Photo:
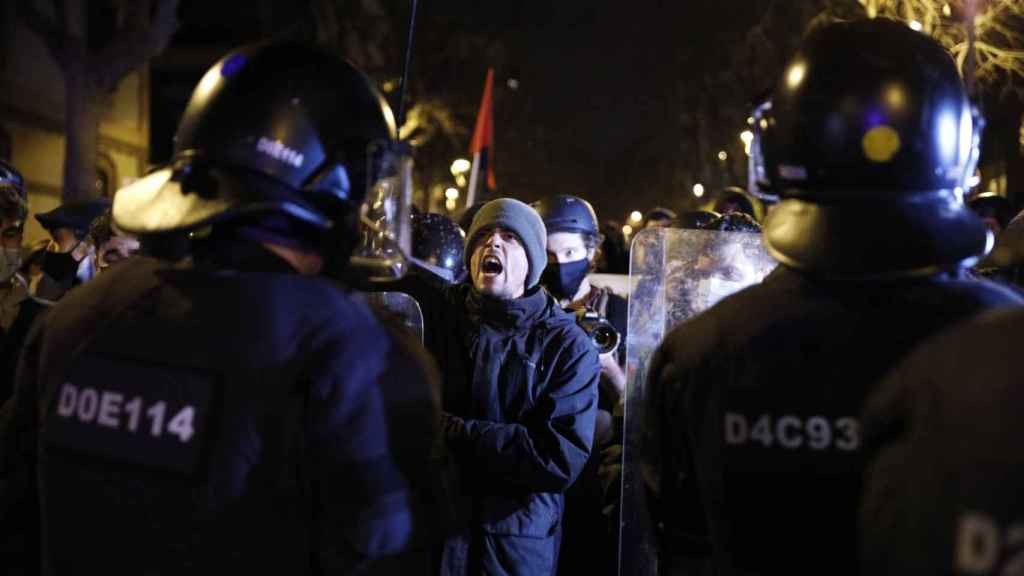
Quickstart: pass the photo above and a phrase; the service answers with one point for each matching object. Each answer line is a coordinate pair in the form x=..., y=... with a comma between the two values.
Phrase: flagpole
x=402, y=89
x=473, y=178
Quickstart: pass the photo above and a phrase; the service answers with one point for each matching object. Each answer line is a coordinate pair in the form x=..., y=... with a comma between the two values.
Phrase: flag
x=482, y=145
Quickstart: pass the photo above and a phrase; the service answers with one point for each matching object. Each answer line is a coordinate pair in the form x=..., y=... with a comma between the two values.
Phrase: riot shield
x=676, y=274
x=400, y=306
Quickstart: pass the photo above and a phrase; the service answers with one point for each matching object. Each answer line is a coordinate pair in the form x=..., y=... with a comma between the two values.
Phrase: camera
x=602, y=334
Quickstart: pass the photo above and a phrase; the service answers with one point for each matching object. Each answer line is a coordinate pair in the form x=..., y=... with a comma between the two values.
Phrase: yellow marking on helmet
x=881, y=143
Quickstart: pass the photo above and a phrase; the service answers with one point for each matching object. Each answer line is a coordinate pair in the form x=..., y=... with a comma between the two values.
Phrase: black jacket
x=752, y=428
x=522, y=377
x=193, y=419
x=944, y=435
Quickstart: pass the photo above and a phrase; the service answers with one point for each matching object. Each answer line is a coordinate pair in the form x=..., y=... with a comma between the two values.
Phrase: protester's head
x=68, y=224
x=505, y=248
x=280, y=144
x=573, y=240
x=660, y=217
x=112, y=244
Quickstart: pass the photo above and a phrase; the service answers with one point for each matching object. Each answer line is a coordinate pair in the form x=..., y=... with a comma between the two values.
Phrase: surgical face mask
x=10, y=261
x=563, y=279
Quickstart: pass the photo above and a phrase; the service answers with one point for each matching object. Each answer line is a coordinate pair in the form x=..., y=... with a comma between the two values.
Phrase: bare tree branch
x=146, y=33
x=53, y=35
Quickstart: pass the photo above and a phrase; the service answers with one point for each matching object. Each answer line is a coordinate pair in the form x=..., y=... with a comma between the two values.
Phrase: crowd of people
x=194, y=382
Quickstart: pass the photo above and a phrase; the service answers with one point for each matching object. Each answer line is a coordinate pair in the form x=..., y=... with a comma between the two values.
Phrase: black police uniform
x=752, y=412
x=752, y=422
x=169, y=440
x=226, y=412
x=943, y=436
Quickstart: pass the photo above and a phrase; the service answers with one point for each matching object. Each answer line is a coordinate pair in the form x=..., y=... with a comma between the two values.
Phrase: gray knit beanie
x=511, y=214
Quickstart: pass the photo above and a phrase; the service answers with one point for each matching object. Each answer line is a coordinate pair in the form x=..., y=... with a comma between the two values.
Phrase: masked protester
x=573, y=239
x=231, y=411
x=68, y=258
x=752, y=431
x=519, y=396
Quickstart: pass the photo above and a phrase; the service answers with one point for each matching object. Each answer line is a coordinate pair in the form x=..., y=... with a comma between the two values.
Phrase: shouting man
x=519, y=397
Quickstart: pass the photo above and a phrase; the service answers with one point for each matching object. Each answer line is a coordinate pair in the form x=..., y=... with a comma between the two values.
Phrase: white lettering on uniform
x=791, y=432
x=87, y=404
x=851, y=434
x=781, y=430
x=735, y=428
x=110, y=410
x=68, y=399
x=104, y=408
x=983, y=546
x=977, y=545
x=819, y=435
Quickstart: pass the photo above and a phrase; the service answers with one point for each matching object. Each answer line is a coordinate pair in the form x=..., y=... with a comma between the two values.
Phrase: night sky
x=606, y=91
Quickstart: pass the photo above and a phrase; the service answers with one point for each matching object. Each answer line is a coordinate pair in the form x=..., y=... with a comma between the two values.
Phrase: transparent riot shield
x=400, y=306
x=675, y=274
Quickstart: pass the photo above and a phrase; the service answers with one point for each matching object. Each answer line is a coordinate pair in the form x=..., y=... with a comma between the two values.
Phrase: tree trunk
x=82, y=109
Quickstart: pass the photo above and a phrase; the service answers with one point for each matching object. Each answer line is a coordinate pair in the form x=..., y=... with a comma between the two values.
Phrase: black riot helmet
x=438, y=243
x=283, y=134
x=868, y=141
x=565, y=213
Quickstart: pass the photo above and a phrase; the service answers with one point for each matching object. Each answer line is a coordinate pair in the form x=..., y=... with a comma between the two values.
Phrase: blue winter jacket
x=522, y=377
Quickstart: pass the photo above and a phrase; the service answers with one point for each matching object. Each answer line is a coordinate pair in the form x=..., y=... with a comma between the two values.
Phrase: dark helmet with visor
x=291, y=138
x=438, y=244
x=565, y=213
x=868, y=141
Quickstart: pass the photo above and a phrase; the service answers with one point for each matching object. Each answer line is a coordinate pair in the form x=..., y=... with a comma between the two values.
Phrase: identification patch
x=791, y=432
x=147, y=414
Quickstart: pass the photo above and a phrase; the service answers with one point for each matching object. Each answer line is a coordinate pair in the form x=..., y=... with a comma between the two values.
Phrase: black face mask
x=61, y=267
x=563, y=280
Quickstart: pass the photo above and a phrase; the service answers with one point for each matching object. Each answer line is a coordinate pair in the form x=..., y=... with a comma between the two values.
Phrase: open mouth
x=491, y=266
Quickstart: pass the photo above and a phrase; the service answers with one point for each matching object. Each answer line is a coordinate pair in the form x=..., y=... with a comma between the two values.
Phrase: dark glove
x=454, y=428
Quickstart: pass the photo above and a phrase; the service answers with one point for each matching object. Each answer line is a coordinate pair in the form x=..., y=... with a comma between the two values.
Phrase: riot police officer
x=752, y=413
x=942, y=437
x=232, y=411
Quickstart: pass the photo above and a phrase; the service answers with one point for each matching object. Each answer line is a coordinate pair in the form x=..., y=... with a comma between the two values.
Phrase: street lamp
x=627, y=230
x=460, y=166
x=698, y=189
x=723, y=155
x=747, y=137
x=636, y=216
x=452, y=193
